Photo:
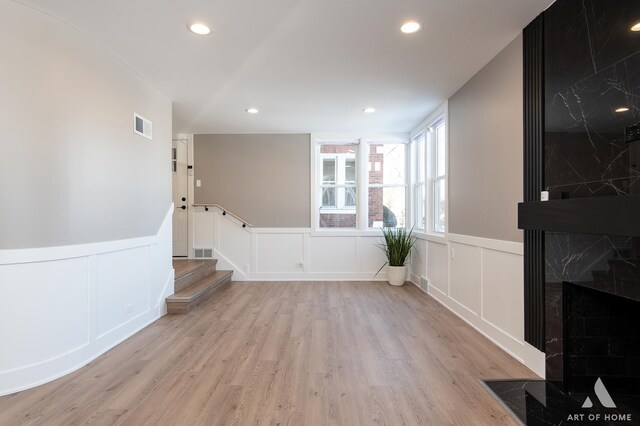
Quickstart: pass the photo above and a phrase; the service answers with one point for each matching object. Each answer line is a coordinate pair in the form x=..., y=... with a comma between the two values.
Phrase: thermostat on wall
x=142, y=126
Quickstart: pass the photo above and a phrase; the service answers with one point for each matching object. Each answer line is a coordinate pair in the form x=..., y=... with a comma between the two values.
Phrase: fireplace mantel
x=618, y=215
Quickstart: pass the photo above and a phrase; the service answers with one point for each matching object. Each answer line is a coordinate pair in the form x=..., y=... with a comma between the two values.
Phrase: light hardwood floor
x=286, y=353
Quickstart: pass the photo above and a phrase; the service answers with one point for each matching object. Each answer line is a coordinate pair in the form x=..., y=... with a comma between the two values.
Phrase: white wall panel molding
x=465, y=276
x=481, y=281
x=279, y=230
x=48, y=254
x=271, y=254
x=64, y=306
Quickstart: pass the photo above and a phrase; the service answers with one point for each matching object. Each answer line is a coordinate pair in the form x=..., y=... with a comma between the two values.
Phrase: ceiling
x=307, y=65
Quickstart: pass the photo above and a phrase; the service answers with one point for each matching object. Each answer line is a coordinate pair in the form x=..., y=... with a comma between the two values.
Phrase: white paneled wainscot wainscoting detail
x=62, y=307
x=273, y=254
x=480, y=280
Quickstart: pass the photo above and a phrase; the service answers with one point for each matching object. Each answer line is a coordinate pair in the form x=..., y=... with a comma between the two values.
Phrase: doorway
x=179, y=153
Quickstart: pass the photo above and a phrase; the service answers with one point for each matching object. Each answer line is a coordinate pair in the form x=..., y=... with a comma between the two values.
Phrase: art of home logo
x=605, y=400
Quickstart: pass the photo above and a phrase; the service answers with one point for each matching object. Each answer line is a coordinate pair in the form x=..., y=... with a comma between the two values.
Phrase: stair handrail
x=224, y=212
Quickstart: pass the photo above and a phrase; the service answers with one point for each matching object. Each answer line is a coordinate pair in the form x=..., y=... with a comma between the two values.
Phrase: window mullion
x=362, y=190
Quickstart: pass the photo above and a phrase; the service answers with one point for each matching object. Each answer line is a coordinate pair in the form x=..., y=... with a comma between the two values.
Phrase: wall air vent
x=142, y=126
x=203, y=253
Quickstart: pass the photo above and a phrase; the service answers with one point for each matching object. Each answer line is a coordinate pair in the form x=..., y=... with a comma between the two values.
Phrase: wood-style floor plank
x=286, y=353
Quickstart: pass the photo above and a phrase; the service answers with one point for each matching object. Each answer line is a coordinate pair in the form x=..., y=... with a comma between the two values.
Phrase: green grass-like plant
x=398, y=243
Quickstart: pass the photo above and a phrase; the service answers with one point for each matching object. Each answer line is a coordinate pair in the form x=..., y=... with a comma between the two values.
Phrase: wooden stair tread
x=191, y=293
x=186, y=267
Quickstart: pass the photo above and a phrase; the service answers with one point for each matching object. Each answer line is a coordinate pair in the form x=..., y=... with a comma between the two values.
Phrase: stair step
x=189, y=272
x=185, y=299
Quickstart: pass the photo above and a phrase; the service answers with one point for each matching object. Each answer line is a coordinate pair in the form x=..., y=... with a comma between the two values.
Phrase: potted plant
x=397, y=245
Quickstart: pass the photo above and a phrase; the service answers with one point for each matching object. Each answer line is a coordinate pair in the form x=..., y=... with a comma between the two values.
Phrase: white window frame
x=418, y=201
x=438, y=115
x=362, y=179
x=340, y=184
x=405, y=185
x=435, y=178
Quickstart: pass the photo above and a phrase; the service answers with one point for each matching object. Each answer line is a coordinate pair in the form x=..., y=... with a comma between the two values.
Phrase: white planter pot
x=397, y=275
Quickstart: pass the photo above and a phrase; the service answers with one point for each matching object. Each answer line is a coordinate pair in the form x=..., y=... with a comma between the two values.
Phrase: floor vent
x=203, y=253
x=424, y=283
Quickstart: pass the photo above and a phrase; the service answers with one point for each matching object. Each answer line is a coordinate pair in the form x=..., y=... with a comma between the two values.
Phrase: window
x=329, y=182
x=429, y=173
x=174, y=160
x=361, y=184
x=439, y=176
x=420, y=185
x=338, y=183
x=350, y=181
x=387, y=185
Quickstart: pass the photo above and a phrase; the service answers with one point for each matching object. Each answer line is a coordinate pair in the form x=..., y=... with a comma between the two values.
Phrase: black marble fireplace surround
x=582, y=248
x=593, y=312
x=592, y=223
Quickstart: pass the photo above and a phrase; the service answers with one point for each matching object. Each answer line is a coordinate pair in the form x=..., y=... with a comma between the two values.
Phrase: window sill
x=347, y=210
x=433, y=237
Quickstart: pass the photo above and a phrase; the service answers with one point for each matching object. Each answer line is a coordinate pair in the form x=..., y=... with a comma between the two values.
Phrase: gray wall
x=262, y=178
x=72, y=170
x=485, y=149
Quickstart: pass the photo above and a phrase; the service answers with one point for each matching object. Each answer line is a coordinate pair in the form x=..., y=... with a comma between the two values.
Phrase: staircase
x=195, y=281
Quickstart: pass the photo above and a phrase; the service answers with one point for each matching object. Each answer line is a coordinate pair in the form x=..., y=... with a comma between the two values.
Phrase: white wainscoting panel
x=287, y=253
x=162, y=272
x=122, y=288
x=503, y=297
x=370, y=256
x=333, y=254
x=466, y=271
x=56, y=329
x=203, y=229
x=438, y=266
x=419, y=260
x=279, y=253
x=62, y=307
x=234, y=242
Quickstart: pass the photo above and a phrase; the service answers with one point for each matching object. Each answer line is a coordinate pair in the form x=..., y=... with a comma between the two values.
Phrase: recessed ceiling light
x=252, y=110
x=636, y=27
x=199, y=28
x=369, y=110
x=622, y=109
x=410, y=27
